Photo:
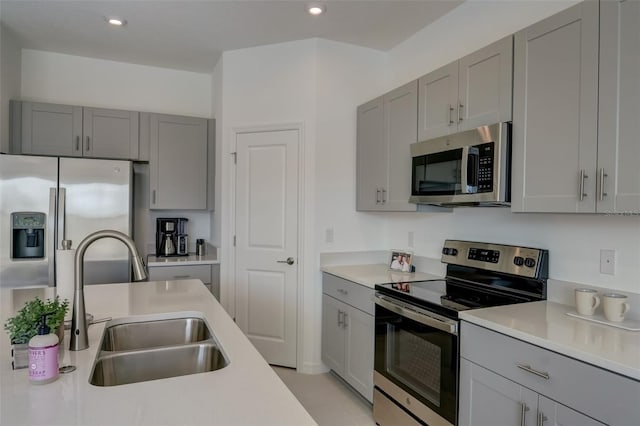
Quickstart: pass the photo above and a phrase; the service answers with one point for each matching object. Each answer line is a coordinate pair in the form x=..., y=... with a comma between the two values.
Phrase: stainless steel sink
x=115, y=369
x=155, y=348
x=151, y=334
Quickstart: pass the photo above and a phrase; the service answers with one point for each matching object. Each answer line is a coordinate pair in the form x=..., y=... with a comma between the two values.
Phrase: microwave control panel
x=485, y=168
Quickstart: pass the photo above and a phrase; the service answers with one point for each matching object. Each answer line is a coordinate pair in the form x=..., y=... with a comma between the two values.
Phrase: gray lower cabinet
x=75, y=131
x=473, y=91
x=576, y=102
x=386, y=127
x=207, y=273
x=507, y=381
x=181, y=161
x=348, y=332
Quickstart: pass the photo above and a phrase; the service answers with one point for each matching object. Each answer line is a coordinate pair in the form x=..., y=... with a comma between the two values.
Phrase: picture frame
x=400, y=261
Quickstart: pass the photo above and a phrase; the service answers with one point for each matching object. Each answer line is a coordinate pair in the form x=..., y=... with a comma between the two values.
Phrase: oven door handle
x=428, y=319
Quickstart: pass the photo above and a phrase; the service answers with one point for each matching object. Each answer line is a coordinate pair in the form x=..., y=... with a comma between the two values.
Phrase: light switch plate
x=608, y=262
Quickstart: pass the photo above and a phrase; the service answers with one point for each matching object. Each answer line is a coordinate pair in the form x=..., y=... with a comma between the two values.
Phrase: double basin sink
x=150, y=349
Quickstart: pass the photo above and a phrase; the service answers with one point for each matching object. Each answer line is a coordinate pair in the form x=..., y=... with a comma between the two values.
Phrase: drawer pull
x=181, y=277
x=528, y=369
x=541, y=418
x=342, y=291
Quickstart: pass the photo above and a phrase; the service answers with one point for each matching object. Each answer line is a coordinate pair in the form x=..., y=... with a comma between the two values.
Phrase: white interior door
x=266, y=236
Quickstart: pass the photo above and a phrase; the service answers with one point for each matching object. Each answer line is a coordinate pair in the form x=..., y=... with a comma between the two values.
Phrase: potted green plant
x=22, y=327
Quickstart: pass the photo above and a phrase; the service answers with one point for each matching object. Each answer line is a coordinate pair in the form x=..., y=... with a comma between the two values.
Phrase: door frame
x=235, y=131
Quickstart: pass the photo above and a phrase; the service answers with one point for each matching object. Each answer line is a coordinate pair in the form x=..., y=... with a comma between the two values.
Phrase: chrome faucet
x=79, y=337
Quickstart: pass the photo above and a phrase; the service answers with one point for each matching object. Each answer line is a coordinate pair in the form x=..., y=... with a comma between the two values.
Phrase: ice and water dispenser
x=27, y=235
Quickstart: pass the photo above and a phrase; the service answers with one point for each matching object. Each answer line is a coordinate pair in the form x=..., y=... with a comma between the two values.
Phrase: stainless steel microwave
x=471, y=168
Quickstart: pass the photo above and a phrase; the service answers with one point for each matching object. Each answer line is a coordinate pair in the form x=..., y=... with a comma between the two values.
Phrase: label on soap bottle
x=43, y=363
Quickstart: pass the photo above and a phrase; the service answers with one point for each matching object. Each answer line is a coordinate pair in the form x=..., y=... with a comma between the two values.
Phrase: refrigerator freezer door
x=27, y=184
x=97, y=196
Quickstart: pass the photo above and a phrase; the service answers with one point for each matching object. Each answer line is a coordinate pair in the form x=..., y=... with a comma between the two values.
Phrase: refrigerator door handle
x=52, y=235
x=62, y=217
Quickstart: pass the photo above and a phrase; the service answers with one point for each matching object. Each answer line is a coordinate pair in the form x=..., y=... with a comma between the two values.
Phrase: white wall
x=316, y=83
x=10, y=70
x=76, y=80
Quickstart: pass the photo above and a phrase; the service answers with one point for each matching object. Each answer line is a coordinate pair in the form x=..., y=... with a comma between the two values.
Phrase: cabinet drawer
x=199, y=272
x=601, y=394
x=351, y=293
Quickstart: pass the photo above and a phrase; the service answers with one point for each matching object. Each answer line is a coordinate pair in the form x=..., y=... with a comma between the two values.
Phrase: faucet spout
x=79, y=336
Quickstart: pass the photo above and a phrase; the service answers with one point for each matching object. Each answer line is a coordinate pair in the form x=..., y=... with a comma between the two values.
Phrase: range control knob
x=518, y=261
x=529, y=262
x=453, y=252
x=445, y=251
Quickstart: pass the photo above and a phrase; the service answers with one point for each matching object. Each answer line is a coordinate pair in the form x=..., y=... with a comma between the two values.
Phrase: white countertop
x=192, y=259
x=546, y=324
x=246, y=392
x=370, y=275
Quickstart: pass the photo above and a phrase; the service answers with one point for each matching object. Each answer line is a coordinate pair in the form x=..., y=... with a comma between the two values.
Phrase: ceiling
x=191, y=35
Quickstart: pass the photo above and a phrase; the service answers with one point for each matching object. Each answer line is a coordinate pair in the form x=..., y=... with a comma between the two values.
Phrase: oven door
x=416, y=357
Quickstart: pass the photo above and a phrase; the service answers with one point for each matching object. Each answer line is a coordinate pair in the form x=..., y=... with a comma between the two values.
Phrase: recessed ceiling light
x=316, y=9
x=116, y=22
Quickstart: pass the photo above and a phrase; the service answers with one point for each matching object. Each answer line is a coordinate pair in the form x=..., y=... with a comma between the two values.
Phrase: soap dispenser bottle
x=43, y=355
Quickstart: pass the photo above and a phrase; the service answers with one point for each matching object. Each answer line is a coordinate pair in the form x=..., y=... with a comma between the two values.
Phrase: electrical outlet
x=328, y=235
x=608, y=262
x=410, y=239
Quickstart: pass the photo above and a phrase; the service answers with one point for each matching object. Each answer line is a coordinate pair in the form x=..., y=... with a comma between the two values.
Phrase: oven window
x=415, y=362
x=438, y=174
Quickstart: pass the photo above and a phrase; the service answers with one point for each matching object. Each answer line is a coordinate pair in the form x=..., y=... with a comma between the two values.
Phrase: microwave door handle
x=473, y=170
x=464, y=166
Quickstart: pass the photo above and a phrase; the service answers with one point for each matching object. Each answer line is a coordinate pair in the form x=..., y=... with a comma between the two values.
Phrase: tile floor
x=329, y=400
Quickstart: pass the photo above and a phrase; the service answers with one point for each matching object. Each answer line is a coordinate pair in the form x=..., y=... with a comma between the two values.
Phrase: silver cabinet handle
x=583, y=176
x=450, y=115
x=460, y=106
x=528, y=369
x=345, y=324
x=88, y=146
x=384, y=196
x=602, y=176
x=153, y=196
x=181, y=277
x=541, y=419
x=340, y=318
x=343, y=291
x=78, y=143
x=377, y=195
x=289, y=261
x=523, y=413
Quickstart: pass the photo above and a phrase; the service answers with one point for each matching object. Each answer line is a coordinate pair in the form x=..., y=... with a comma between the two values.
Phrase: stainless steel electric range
x=416, y=327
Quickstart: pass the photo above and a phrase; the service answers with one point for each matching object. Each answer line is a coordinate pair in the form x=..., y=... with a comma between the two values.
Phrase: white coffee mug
x=615, y=306
x=587, y=301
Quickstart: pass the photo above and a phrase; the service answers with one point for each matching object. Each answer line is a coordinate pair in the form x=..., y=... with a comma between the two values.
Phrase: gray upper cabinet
x=109, y=133
x=181, y=162
x=50, y=129
x=619, y=105
x=74, y=131
x=555, y=113
x=387, y=126
x=473, y=91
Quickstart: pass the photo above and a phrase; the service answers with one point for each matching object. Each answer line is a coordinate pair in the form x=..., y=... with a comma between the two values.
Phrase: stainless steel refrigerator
x=44, y=200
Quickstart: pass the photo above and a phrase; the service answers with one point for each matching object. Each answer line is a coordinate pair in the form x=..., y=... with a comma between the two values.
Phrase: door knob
x=289, y=261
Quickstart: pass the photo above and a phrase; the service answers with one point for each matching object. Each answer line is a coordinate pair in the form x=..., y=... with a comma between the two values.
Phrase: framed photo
x=400, y=261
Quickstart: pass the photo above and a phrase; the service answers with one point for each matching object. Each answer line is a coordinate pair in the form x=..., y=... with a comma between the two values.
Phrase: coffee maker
x=171, y=236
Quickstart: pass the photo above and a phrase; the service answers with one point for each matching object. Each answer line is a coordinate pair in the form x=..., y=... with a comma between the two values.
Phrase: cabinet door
x=110, y=133
x=178, y=162
x=619, y=103
x=333, y=312
x=485, y=85
x=51, y=129
x=437, y=102
x=371, y=156
x=488, y=399
x=401, y=130
x=358, y=372
x=553, y=414
x=555, y=112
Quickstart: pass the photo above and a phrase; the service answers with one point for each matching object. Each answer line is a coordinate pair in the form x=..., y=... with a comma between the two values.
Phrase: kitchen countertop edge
x=545, y=324
x=371, y=274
